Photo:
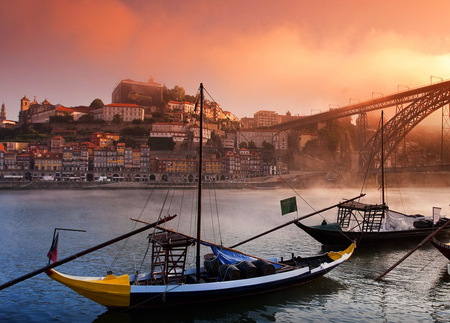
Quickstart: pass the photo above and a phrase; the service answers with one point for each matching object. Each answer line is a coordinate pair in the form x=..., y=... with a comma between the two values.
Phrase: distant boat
x=373, y=224
x=225, y=274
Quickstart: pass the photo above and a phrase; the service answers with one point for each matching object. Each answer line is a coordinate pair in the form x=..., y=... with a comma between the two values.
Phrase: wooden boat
x=172, y=287
x=443, y=247
x=226, y=273
x=373, y=224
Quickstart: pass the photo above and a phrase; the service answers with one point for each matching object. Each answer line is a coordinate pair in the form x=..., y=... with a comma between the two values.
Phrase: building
x=248, y=123
x=141, y=93
x=265, y=118
x=196, y=134
x=177, y=131
x=185, y=107
x=56, y=144
x=104, y=139
x=4, y=123
x=34, y=112
x=278, y=139
x=48, y=162
x=128, y=112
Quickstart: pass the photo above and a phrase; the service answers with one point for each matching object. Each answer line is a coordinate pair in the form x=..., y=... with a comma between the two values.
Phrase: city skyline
x=251, y=56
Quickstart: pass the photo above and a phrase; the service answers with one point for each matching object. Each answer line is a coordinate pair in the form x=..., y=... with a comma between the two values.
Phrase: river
x=416, y=291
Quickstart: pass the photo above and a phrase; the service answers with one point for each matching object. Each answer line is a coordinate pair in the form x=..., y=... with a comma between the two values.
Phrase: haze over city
x=251, y=55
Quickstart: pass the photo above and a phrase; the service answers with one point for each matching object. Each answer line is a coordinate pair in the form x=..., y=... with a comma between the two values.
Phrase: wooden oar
x=296, y=220
x=414, y=249
x=82, y=253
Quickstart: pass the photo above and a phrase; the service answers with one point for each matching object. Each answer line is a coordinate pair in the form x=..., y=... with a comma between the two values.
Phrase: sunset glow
x=251, y=55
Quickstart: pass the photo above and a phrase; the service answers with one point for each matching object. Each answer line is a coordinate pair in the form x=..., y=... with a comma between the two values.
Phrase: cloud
x=254, y=54
x=95, y=29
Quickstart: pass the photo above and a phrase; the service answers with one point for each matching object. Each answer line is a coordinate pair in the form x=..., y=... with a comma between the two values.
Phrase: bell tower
x=24, y=106
x=24, y=103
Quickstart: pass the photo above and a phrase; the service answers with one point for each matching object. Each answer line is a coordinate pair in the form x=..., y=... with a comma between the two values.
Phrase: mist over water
x=417, y=290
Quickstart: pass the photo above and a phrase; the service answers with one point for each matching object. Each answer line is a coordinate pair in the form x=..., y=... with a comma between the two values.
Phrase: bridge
x=413, y=105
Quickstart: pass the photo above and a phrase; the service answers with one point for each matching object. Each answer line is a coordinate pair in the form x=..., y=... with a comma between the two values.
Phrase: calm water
x=418, y=290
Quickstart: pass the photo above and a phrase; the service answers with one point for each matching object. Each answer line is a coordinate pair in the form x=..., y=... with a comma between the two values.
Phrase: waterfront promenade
x=297, y=180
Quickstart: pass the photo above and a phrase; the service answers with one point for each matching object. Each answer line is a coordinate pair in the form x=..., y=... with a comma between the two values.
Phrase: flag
x=436, y=214
x=288, y=205
x=53, y=252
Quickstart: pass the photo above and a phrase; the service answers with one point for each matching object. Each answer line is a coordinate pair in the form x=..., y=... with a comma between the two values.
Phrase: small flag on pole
x=53, y=252
x=436, y=214
x=288, y=205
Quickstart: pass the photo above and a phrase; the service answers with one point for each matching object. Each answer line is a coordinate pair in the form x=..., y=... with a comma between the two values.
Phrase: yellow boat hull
x=110, y=291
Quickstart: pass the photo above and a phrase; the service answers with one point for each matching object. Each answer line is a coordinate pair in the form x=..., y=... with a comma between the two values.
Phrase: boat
x=225, y=273
x=443, y=247
x=371, y=225
x=374, y=224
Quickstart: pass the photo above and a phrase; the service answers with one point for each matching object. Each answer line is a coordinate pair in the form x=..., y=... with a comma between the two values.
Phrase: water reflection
x=417, y=290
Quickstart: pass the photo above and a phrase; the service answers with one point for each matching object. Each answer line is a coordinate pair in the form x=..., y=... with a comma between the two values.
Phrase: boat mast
x=199, y=201
x=382, y=161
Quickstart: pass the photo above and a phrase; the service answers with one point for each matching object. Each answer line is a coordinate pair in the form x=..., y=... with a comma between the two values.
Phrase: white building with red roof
x=127, y=111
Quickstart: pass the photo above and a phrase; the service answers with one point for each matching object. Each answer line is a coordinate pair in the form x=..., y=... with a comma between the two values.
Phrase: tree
x=161, y=143
x=134, y=131
x=97, y=104
x=252, y=145
x=117, y=119
x=176, y=94
x=86, y=118
x=61, y=119
x=267, y=145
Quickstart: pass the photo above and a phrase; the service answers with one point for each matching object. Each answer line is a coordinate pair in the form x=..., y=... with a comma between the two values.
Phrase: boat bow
x=110, y=291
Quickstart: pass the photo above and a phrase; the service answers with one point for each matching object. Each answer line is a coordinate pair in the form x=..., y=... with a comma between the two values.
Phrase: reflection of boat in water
x=226, y=274
x=372, y=224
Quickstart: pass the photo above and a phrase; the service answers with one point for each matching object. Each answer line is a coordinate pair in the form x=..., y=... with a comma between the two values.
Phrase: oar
x=82, y=253
x=296, y=220
x=411, y=251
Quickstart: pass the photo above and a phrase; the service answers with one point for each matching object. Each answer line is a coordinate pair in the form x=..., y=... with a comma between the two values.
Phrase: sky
x=299, y=56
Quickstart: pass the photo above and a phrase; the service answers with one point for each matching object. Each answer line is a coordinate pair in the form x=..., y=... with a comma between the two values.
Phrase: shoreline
x=294, y=180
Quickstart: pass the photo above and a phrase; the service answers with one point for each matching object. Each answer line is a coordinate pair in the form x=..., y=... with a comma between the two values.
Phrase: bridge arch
x=395, y=130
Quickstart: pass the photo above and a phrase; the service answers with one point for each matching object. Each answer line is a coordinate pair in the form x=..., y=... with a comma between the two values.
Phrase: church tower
x=24, y=106
x=24, y=103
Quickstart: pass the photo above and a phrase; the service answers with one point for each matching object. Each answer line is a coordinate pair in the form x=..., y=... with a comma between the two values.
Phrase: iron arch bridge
x=417, y=104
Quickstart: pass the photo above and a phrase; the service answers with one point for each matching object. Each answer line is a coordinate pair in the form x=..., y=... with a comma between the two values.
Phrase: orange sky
x=250, y=55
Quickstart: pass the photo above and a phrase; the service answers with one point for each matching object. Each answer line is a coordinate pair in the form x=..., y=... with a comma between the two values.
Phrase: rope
x=217, y=213
x=122, y=248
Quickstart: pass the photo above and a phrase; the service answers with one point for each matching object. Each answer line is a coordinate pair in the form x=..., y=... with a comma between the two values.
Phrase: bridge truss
x=416, y=104
x=395, y=130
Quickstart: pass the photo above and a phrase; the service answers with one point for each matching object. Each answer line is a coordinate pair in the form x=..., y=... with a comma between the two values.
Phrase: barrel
x=229, y=272
x=212, y=264
x=264, y=267
x=248, y=270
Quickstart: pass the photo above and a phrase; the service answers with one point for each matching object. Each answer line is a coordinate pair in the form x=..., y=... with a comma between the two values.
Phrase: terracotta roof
x=123, y=105
x=61, y=108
